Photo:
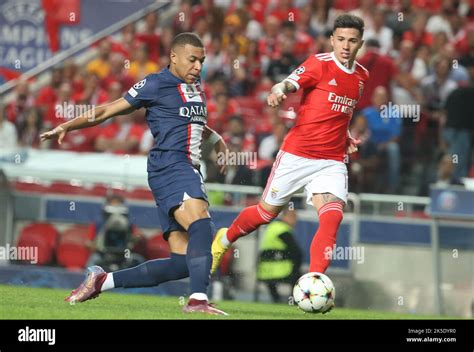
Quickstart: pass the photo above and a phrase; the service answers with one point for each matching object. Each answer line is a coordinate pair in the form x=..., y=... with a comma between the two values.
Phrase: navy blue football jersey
x=176, y=114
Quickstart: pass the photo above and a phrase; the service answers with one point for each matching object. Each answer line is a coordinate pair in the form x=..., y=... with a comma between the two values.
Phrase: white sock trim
x=108, y=283
x=199, y=296
x=224, y=241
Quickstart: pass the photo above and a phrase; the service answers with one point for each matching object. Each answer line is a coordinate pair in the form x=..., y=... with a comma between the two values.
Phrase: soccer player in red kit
x=312, y=154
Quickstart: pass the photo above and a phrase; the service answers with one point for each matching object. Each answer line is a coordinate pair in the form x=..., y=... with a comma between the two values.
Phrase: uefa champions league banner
x=452, y=203
x=31, y=31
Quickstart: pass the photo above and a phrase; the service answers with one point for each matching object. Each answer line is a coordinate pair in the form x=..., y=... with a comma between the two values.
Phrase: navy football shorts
x=171, y=186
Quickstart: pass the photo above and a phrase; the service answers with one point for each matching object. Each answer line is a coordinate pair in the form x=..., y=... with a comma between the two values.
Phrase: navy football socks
x=198, y=256
x=153, y=272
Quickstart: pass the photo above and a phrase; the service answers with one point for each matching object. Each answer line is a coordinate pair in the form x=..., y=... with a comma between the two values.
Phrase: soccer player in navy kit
x=176, y=114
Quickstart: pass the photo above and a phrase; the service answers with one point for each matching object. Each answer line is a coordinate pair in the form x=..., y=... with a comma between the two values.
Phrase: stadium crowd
x=420, y=55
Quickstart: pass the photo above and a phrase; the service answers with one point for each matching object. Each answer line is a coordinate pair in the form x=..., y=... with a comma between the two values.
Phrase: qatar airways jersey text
x=176, y=114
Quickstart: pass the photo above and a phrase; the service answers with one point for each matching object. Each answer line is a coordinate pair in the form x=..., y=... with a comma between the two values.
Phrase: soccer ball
x=314, y=293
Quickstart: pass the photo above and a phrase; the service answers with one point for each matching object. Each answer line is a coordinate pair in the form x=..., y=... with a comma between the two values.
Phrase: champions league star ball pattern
x=314, y=293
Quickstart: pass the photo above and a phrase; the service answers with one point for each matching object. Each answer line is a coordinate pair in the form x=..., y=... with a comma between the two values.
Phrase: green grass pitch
x=45, y=303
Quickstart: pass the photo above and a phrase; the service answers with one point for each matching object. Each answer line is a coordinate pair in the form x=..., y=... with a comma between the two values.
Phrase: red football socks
x=330, y=216
x=248, y=221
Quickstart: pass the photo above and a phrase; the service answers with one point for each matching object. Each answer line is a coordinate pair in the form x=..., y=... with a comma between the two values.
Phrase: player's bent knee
x=190, y=211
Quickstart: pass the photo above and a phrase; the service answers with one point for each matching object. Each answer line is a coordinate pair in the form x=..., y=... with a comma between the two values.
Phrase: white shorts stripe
x=272, y=173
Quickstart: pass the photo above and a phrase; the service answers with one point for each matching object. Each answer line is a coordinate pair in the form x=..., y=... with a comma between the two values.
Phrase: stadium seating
x=43, y=236
x=33, y=187
x=72, y=252
x=65, y=188
x=140, y=193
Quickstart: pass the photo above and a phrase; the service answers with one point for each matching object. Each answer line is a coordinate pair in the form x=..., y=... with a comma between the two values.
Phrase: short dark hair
x=349, y=21
x=187, y=38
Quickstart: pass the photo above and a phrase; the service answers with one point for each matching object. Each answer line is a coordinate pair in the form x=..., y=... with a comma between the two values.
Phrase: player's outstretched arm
x=279, y=92
x=219, y=146
x=90, y=118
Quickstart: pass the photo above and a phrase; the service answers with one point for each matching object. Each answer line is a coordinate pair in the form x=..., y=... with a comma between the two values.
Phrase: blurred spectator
x=17, y=110
x=435, y=89
x=441, y=21
x=183, y=21
x=214, y=59
x=270, y=145
x=220, y=110
x=458, y=73
x=115, y=238
x=443, y=176
x=466, y=47
x=418, y=34
x=101, y=66
x=382, y=71
x=127, y=42
x=366, y=11
x=279, y=255
x=256, y=12
x=202, y=9
x=29, y=131
x=236, y=134
x=142, y=65
x=234, y=70
x=385, y=128
x=122, y=136
x=241, y=152
x=232, y=34
x=71, y=75
x=167, y=36
x=460, y=126
x=381, y=32
x=150, y=36
x=323, y=16
x=303, y=26
x=115, y=91
x=365, y=162
x=285, y=11
x=268, y=44
x=253, y=68
x=57, y=112
x=285, y=64
x=405, y=90
x=117, y=73
x=92, y=94
x=302, y=44
x=8, y=134
x=437, y=86
x=201, y=28
x=48, y=94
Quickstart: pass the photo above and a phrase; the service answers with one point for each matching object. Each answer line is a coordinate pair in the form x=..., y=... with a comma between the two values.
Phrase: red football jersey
x=330, y=94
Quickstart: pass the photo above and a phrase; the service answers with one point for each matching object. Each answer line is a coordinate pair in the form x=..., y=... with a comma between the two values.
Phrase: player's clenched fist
x=275, y=99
